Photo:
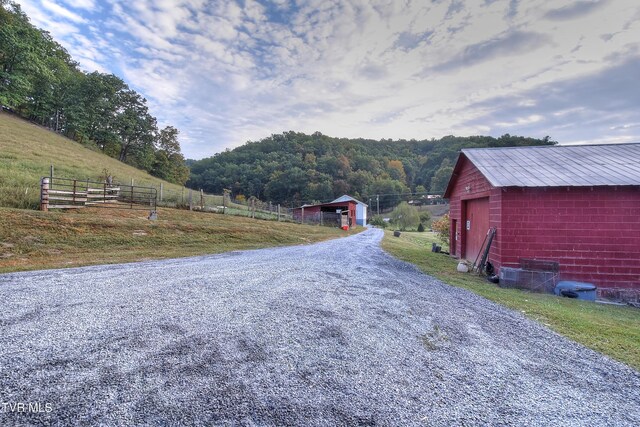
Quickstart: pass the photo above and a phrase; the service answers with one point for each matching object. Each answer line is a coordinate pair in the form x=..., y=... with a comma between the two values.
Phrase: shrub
x=405, y=216
x=378, y=221
x=425, y=217
x=441, y=227
x=420, y=228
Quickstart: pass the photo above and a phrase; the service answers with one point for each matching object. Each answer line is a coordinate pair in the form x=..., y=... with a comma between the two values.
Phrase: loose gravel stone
x=335, y=333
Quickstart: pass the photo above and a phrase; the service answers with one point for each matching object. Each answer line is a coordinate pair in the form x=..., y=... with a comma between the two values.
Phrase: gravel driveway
x=335, y=333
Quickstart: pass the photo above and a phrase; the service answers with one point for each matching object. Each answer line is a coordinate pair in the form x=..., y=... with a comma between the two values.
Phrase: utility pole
x=378, y=202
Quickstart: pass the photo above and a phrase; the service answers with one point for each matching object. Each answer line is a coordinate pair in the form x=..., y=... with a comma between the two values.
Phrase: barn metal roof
x=346, y=198
x=558, y=165
x=335, y=202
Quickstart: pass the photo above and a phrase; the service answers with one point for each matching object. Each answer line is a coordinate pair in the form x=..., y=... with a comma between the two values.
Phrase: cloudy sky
x=228, y=71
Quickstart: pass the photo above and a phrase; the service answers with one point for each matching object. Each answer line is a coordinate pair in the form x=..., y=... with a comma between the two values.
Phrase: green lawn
x=611, y=330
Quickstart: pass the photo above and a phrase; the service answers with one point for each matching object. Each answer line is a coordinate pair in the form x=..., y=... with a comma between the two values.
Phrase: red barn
x=578, y=206
x=338, y=213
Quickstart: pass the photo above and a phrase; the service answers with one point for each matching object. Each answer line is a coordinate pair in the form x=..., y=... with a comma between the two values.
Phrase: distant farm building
x=339, y=214
x=361, y=209
x=428, y=199
x=577, y=206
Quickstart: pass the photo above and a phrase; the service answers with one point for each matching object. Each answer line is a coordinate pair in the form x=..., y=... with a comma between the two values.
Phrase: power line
x=372, y=197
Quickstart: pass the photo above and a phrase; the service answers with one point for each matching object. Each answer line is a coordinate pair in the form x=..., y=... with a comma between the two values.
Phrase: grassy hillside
x=35, y=240
x=27, y=151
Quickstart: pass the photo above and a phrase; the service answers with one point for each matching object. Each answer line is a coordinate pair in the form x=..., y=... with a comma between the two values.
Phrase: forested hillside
x=293, y=167
x=40, y=81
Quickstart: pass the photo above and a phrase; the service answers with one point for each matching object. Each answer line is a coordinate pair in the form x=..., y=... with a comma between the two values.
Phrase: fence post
x=321, y=218
x=161, y=192
x=44, y=194
x=278, y=212
x=201, y=200
x=190, y=199
x=225, y=194
x=302, y=216
x=51, y=172
x=182, y=197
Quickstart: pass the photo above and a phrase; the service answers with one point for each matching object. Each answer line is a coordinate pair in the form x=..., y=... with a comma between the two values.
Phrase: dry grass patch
x=38, y=240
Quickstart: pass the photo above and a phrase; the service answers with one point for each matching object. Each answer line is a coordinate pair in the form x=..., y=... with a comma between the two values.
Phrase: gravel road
x=335, y=333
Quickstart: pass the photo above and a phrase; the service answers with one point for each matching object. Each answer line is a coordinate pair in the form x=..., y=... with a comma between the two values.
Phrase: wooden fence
x=66, y=193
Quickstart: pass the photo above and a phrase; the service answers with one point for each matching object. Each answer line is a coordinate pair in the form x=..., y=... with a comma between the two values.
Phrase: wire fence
x=200, y=201
x=327, y=219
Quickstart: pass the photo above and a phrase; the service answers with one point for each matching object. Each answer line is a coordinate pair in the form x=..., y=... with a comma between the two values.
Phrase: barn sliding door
x=475, y=227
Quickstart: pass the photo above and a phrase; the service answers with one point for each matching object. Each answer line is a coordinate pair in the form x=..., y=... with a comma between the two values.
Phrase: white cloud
x=62, y=11
x=522, y=121
x=81, y=4
x=228, y=71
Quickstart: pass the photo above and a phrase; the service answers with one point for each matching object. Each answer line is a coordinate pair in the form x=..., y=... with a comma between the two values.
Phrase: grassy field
x=436, y=211
x=27, y=151
x=611, y=330
x=37, y=240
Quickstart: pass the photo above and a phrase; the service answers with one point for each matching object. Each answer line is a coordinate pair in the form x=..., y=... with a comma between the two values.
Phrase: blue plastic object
x=579, y=290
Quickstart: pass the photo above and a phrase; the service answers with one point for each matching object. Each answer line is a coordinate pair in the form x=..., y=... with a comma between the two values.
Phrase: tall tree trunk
x=123, y=152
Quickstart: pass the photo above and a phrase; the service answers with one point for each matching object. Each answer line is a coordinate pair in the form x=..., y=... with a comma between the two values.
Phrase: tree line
x=41, y=82
x=294, y=168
